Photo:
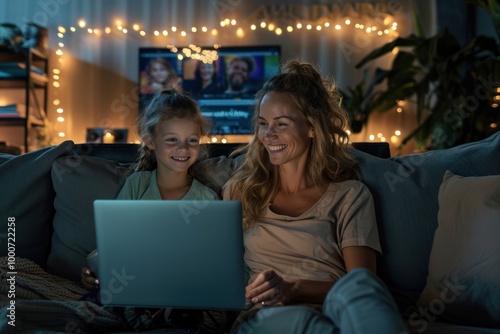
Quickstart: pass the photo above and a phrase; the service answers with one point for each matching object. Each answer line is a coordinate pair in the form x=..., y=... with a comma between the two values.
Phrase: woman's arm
x=269, y=288
x=360, y=257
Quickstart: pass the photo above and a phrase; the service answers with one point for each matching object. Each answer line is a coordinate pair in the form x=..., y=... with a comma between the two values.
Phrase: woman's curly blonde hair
x=256, y=181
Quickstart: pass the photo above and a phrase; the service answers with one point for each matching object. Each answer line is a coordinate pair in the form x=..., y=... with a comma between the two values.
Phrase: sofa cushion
x=463, y=285
x=405, y=190
x=79, y=180
x=26, y=194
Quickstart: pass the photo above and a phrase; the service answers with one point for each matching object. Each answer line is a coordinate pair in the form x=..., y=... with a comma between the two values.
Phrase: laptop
x=181, y=254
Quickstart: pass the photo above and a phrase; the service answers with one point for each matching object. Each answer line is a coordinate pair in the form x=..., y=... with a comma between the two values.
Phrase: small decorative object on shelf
x=107, y=136
x=23, y=69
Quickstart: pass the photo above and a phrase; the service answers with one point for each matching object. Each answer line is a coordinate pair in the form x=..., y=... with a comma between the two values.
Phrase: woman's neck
x=293, y=178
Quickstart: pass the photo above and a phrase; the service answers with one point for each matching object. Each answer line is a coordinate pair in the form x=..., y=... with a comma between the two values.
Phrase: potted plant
x=452, y=86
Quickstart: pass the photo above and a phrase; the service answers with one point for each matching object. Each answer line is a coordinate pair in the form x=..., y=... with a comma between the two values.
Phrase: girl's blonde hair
x=257, y=180
x=165, y=105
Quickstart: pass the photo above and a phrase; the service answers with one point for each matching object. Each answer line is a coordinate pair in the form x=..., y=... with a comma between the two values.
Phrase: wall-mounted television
x=224, y=88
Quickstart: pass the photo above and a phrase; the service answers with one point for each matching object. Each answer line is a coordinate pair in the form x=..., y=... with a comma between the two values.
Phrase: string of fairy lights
x=386, y=27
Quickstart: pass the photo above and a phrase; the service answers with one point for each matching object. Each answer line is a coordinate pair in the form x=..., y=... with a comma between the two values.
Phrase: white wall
x=99, y=73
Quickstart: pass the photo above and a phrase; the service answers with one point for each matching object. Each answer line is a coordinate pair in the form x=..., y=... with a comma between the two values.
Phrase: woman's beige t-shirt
x=310, y=246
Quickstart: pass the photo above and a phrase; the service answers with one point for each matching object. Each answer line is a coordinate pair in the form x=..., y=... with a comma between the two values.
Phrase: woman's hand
x=269, y=288
x=88, y=279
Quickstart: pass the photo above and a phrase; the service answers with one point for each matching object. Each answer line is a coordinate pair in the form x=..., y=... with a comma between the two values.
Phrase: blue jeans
x=358, y=303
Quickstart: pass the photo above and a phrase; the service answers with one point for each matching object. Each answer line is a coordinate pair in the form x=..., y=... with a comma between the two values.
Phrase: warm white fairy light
x=240, y=32
x=205, y=56
x=60, y=119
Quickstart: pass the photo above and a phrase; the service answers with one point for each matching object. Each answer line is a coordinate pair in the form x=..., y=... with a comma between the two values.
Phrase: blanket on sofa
x=31, y=298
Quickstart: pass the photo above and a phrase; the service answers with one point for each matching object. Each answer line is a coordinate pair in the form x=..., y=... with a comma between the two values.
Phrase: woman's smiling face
x=283, y=129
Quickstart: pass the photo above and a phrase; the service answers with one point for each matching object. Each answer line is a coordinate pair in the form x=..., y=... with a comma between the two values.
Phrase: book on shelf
x=15, y=69
x=13, y=110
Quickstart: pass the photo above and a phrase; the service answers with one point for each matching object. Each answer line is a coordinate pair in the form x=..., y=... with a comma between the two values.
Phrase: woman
x=309, y=223
x=205, y=78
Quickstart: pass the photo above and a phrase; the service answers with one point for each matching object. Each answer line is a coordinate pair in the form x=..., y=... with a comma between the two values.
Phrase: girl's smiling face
x=176, y=144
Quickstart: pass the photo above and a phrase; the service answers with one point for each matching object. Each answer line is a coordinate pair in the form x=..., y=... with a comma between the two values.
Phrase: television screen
x=224, y=85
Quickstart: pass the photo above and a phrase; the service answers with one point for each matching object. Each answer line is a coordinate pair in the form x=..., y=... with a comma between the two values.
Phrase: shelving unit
x=26, y=69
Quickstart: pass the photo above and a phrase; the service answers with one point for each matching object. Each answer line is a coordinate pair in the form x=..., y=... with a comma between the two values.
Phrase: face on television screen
x=224, y=87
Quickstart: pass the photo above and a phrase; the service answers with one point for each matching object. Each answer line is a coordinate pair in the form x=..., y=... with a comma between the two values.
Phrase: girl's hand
x=269, y=288
x=88, y=279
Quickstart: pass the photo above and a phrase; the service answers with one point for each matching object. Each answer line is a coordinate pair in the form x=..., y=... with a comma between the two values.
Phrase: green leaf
x=386, y=48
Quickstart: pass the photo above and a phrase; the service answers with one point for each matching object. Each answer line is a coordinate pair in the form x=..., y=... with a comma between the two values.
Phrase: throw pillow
x=26, y=195
x=463, y=285
x=79, y=180
x=405, y=190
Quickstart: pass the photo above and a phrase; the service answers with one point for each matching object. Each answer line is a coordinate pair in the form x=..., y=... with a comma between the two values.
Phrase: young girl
x=170, y=129
x=160, y=75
